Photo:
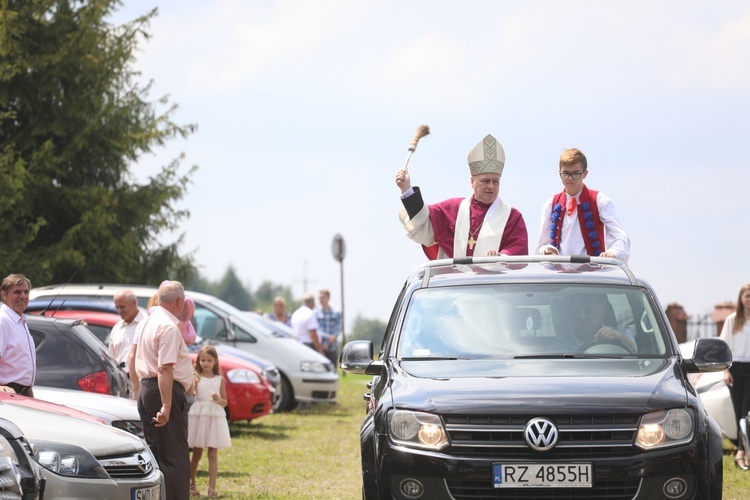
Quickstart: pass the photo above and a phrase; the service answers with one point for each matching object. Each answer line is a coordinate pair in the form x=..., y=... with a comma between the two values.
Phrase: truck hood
x=580, y=385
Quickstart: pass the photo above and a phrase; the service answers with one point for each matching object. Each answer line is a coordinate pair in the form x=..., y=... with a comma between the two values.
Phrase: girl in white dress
x=207, y=421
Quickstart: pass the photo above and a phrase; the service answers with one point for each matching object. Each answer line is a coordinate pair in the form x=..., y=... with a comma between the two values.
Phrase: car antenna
x=58, y=294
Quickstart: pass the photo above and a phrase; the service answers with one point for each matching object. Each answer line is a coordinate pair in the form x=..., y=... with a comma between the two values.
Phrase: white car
x=306, y=375
x=83, y=459
x=116, y=411
x=715, y=395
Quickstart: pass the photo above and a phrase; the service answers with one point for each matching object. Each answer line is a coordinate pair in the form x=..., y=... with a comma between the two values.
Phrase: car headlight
x=242, y=376
x=312, y=366
x=67, y=460
x=665, y=428
x=417, y=429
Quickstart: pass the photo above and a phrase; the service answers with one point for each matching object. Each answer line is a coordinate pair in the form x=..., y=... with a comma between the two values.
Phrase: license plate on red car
x=540, y=475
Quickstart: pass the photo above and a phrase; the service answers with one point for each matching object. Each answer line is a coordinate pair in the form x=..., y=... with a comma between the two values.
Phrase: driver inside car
x=588, y=327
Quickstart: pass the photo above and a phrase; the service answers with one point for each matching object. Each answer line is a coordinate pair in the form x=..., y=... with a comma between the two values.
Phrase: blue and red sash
x=592, y=227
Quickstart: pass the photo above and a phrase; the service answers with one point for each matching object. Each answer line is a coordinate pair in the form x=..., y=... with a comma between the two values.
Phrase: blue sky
x=305, y=111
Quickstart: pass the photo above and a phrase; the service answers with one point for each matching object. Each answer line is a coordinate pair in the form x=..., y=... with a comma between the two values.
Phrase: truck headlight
x=665, y=428
x=417, y=429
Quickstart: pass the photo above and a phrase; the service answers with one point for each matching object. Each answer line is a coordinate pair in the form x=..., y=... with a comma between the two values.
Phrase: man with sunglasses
x=579, y=220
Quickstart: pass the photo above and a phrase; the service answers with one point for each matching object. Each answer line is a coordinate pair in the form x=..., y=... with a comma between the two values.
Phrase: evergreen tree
x=73, y=119
x=230, y=289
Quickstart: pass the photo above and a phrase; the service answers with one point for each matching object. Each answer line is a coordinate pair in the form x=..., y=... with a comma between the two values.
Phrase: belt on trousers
x=155, y=380
x=20, y=389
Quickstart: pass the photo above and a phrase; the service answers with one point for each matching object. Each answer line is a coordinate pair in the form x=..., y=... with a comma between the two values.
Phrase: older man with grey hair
x=121, y=336
x=479, y=225
x=163, y=365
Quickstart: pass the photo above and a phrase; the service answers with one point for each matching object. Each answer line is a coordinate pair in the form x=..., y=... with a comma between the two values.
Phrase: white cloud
x=711, y=58
x=222, y=46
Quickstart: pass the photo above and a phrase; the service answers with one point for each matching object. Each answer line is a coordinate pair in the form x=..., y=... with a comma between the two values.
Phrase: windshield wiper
x=548, y=356
x=430, y=358
x=569, y=355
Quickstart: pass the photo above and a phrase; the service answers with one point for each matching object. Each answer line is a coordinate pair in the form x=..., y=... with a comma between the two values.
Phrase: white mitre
x=487, y=157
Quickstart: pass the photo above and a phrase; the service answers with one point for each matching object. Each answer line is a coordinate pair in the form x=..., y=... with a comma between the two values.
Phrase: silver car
x=306, y=375
x=82, y=459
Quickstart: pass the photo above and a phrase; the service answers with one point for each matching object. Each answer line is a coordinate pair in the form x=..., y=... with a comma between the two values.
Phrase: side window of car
x=208, y=324
x=58, y=353
x=101, y=332
x=242, y=335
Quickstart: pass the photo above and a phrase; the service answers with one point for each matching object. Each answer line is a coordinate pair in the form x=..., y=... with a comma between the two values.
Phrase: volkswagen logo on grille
x=540, y=434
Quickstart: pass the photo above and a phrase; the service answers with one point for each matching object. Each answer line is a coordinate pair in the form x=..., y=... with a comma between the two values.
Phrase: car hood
x=110, y=408
x=97, y=439
x=597, y=386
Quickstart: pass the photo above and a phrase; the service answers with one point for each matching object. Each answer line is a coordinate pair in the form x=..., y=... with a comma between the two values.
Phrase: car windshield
x=531, y=321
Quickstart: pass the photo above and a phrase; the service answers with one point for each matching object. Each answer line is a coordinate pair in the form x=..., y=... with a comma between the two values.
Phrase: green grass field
x=313, y=453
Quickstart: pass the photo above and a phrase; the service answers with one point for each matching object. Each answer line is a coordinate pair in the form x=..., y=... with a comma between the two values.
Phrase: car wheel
x=284, y=397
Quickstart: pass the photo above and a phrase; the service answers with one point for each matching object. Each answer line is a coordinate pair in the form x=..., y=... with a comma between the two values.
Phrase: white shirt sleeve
x=544, y=239
x=617, y=240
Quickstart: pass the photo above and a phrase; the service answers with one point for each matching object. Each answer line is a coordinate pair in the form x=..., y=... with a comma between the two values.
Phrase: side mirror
x=709, y=355
x=356, y=357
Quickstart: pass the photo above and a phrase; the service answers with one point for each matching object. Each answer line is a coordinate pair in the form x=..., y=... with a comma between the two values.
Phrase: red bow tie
x=571, y=205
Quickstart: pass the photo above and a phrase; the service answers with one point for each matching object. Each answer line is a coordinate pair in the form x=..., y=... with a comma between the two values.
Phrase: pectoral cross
x=472, y=241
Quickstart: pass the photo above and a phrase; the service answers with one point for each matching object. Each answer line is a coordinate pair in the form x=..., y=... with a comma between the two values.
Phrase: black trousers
x=740, y=394
x=24, y=390
x=168, y=443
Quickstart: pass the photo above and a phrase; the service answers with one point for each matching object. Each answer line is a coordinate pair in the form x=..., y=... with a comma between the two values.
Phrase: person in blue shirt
x=330, y=326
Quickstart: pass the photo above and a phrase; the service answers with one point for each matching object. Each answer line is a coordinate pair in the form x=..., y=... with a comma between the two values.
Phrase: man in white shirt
x=163, y=365
x=305, y=324
x=17, y=349
x=579, y=220
x=122, y=333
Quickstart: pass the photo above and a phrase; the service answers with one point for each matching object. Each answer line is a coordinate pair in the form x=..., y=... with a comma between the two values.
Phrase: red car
x=249, y=393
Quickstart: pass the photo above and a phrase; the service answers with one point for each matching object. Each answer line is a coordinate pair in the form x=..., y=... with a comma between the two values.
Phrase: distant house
x=678, y=320
x=689, y=328
x=721, y=311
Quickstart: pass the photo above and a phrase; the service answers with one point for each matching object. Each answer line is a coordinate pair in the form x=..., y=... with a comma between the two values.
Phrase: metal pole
x=343, y=335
